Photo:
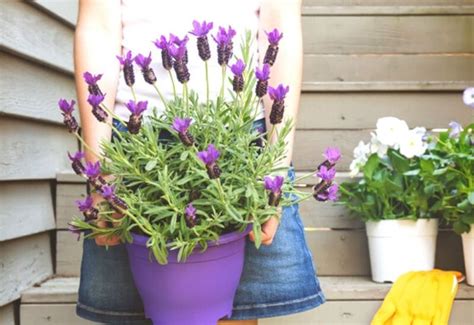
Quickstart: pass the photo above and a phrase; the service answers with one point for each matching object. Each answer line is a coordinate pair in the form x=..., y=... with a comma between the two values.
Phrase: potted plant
x=452, y=158
x=399, y=211
x=189, y=200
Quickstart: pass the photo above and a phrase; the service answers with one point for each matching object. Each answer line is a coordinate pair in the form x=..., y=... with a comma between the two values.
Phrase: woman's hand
x=104, y=240
x=269, y=229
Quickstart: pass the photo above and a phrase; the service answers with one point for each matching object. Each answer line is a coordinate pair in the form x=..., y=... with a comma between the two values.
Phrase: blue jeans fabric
x=277, y=280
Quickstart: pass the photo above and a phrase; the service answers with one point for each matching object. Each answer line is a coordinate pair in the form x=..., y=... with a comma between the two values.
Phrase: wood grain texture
x=51, y=314
x=383, y=86
x=361, y=110
x=388, y=67
x=32, y=150
x=7, y=315
x=66, y=209
x=387, y=2
x=64, y=10
x=27, y=208
x=23, y=262
x=387, y=10
x=388, y=34
x=68, y=253
x=51, y=44
x=20, y=78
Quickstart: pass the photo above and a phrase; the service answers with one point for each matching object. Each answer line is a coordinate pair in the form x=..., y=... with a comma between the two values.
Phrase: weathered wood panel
x=68, y=253
x=66, y=209
x=65, y=10
x=27, y=208
x=387, y=2
x=51, y=314
x=387, y=10
x=388, y=34
x=361, y=110
x=32, y=91
x=23, y=262
x=359, y=313
x=388, y=67
x=364, y=86
x=33, y=151
x=36, y=35
x=7, y=315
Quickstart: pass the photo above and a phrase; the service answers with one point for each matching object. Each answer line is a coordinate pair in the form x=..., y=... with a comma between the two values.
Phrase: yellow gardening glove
x=448, y=287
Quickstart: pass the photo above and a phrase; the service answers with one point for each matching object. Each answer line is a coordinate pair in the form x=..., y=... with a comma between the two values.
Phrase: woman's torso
x=144, y=21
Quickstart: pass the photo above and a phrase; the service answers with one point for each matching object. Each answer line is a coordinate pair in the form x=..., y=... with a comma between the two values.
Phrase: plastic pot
x=400, y=246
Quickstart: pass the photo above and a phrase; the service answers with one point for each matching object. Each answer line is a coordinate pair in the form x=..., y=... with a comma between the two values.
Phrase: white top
x=144, y=21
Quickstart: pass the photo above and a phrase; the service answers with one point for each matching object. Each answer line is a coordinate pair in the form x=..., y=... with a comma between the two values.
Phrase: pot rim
x=141, y=240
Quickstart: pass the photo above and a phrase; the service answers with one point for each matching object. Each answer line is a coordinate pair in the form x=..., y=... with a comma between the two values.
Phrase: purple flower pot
x=199, y=291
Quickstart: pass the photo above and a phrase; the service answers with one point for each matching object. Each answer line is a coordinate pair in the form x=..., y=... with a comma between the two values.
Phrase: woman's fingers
x=269, y=229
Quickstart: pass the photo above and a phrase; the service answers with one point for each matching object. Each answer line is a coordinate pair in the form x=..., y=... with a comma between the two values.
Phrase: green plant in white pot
x=453, y=161
x=400, y=212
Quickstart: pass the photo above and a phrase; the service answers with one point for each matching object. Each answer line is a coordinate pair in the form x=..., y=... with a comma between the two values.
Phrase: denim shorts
x=277, y=280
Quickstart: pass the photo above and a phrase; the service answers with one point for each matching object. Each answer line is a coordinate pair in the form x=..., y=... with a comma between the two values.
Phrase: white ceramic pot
x=400, y=246
x=468, y=247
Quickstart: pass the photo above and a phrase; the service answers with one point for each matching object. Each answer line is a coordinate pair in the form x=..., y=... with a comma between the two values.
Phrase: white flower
x=354, y=168
x=390, y=130
x=468, y=97
x=377, y=147
x=361, y=155
x=412, y=143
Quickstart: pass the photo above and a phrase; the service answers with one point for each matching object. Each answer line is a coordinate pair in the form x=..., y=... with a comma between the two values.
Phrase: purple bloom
x=190, y=215
x=332, y=155
x=91, y=79
x=128, y=73
x=92, y=170
x=143, y=61
x=137, y=108
x=84, y=205
x=77, y=156
x=223, y=36
x=274, y=37
x=210, y=155
x=176, y=40
x=178, y=52
x=326, y=174
x=108, y=192
x=77, y=165
x=273, y=184
x=264, y=73
x=95, y=100
x=162, y=43
x=201, y=29
x=331, y=194
x=126, y=59
x=238, y=67
x=468, y=97
x=455, y=129
x=181, y=125
x=278, y=93
x=65, y=107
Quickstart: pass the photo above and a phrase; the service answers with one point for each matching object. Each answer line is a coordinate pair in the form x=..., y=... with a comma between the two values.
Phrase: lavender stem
x=172, y=82
x=207, y=84
x=86, y=145
x=160, y=94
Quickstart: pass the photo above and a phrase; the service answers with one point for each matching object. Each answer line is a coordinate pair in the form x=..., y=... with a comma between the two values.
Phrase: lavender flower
x=200, y=30
x=330, y=194
x=135, y=121
x=209, y=158
x=190, y=215
x=332, y=156
x=455, y=129
x=262, y=76
x=76, y=163
x=108, y=193
x=91, y=81
x=128, y=73
x=274, y=38
x=92, y=171
x=87, y=208
x=468, y=97
x=69, y=120
x=274, y=186
x=238, y=69
x=181, y=126
x=144, y=63
x=181, y=42
x=95, y=101
x=178, y=52
x=278, y=96
x=163, y=44
x=225, y=45
x=326, y=174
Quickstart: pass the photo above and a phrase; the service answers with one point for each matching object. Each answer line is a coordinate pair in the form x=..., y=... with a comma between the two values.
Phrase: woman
x=279, y=278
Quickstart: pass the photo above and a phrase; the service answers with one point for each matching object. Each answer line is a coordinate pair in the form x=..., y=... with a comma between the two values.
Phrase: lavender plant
x=199, y=169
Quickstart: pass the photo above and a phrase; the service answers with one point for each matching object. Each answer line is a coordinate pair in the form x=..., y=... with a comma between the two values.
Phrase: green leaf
x=440, y=171
x=470, y=197
x=371, y=165
x=399, y=162
x=150, y=165
x=413, y=172
x=184, y=155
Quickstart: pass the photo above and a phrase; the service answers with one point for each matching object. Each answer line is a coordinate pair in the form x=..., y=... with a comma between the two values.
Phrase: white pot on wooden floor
x=400, y=246
x=468, y=247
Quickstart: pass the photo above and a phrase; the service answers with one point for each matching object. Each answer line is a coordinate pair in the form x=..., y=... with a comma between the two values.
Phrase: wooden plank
x=7, y=314
x=27, y=208
x=23, y=262
x=51, y=314
x=64, y=10
x=69, y=177
x=32, y=150
x=51, y=44
x=66, y=209
x=388, y=67
x=23, y=77
x=364, y=10
x=56, y=290
x=68, y=253
x=343, y=110
x=388, y=34
x=387, y=2
x=339, y=86
x=359, y=313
